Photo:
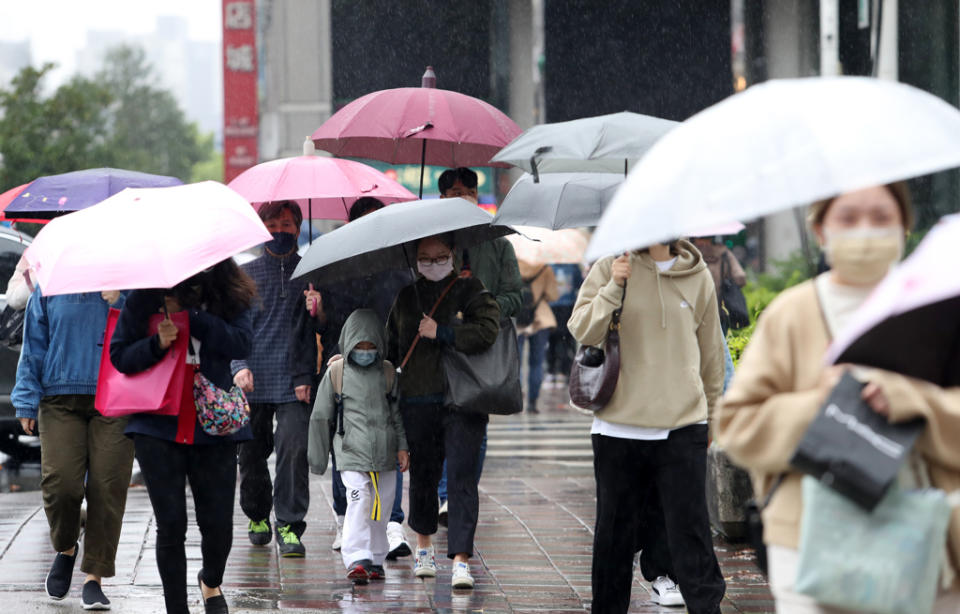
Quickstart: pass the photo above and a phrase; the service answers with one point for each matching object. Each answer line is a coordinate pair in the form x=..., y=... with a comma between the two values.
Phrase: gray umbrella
x=602, y=144
x=559, y=200
x=385, y=240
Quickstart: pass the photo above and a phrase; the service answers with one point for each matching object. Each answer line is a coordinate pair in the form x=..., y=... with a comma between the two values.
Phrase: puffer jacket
x=372, y=428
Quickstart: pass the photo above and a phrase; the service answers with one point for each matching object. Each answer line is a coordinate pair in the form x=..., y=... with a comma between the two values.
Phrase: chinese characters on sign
x=240, y=109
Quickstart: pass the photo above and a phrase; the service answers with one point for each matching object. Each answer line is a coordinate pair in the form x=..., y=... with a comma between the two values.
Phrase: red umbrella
x=8, y=197
x=408, y=125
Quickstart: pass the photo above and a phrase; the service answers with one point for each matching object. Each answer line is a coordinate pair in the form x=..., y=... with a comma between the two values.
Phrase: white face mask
x=863, y=256
x=435, y=272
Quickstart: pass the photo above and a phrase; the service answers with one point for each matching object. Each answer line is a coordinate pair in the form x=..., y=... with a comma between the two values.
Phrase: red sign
x=240, y=112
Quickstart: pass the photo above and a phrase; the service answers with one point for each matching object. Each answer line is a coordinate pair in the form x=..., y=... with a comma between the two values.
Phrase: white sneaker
x=666, y=592
x=461, y=576
x=426, y=563
x=397, y=541
x=339, y=538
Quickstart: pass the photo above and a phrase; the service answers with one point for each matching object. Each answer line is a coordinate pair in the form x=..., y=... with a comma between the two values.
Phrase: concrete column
x=887, y=60
x=297, y=79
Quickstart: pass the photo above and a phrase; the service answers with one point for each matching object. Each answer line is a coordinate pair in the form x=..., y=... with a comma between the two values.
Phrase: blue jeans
x=727, y=366
x=538, y=354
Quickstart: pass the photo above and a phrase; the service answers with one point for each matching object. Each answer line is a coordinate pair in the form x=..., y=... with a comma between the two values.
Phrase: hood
x=689, y=261
x=363, y=325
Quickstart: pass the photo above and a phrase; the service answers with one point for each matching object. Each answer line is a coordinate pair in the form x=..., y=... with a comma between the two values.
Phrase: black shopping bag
x=851, y=448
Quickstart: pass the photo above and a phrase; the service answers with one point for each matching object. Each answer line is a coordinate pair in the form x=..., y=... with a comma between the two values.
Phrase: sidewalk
x=533, y=545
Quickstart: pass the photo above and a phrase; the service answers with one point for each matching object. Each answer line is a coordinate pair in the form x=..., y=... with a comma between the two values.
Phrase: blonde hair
x=899, y=190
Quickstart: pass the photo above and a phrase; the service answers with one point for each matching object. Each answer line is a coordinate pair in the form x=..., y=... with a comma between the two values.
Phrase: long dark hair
x=224, y=288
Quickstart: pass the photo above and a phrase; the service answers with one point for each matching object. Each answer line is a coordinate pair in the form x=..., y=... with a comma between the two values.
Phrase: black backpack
x=528, y=306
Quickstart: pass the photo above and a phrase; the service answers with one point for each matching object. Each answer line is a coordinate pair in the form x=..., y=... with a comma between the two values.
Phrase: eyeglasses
x=442, y=260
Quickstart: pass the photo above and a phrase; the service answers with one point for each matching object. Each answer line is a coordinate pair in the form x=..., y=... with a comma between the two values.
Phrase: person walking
x=494, y=263
x=338, y=301
x=466, y=317
x=355, y=397
x=650, y=441
x=536, y=320
x=84, y=454
x=561, y=346
x=277, y=379
x=174, y=450
x=782, y=382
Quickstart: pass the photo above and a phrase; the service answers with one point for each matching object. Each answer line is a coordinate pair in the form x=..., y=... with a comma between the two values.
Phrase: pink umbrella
x=396, y=125
x=324, y=187
x=910, y=323
x=536, y=245
x=144, y=238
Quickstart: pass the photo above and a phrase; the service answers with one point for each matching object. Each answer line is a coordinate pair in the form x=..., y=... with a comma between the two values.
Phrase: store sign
x=240, y=110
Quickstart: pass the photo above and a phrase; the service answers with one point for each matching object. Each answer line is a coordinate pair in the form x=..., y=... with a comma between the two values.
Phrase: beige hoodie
x=671, y=346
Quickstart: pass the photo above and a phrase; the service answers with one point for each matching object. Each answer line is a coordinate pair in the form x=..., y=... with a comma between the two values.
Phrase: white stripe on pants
x=364, y=538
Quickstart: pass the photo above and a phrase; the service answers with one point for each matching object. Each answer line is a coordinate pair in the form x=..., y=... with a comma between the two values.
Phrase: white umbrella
x=777, y=145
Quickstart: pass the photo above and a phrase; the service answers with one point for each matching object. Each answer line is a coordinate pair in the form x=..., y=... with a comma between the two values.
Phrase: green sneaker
x=289, y=543
x=259, y=532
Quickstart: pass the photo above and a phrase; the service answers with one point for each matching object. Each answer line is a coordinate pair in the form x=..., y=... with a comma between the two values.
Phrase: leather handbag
x=487, y=382
x=595, y=371
x=157, y=390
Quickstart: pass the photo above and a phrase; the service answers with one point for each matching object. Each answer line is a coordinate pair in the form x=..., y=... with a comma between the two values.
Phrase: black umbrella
x=386, y=239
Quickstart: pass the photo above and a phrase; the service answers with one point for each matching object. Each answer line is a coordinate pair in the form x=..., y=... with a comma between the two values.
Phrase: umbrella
x=910, y=323
x=424, y=125
x=558, y=200
x=730, y=228
x=542, y=246
x=383, y=240
x=53, y=195
x=144, y=238
x=324, y=187
x=8, y=197
x=602, y=144
x=776, y=145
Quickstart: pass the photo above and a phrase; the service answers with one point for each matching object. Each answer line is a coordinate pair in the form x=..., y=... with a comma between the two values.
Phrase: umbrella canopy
x=602, y=144
x=730, y=228
x=415, y=125
x=383, y=240
x=324, y=187
x=542, y=246
x=910, y=323
x=144, y=238
x=776, y=145
x=8, y=197
x=559, y=200
x=53, y=195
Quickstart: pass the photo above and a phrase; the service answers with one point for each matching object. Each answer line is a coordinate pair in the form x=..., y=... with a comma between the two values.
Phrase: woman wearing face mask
x=782, y=382
x=467, y=318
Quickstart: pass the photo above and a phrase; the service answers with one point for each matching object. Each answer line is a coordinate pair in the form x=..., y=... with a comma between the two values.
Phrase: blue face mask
x=282, y=243
x=363, y=358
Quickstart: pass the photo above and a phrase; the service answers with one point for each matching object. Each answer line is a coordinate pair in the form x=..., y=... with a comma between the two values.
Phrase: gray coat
x=372, y=427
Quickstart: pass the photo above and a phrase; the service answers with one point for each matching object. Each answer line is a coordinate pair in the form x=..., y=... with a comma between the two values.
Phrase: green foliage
x=117, y=119
x=211, y=168
x=761, y=293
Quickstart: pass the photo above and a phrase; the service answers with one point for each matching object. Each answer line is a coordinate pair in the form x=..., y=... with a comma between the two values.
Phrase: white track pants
x=364, y=538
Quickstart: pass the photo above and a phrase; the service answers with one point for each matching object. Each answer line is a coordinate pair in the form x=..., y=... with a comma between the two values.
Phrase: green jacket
x=468, y=318
x=372, y=428
x=495, y=264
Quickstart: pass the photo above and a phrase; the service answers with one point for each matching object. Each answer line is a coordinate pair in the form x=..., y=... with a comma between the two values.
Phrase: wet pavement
x=533, y=544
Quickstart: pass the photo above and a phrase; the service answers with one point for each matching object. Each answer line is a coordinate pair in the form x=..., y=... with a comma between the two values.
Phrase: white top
x=839, y=302
x=626, y=431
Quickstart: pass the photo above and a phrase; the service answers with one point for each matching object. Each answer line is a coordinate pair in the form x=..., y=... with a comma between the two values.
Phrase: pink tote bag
x=157, y=390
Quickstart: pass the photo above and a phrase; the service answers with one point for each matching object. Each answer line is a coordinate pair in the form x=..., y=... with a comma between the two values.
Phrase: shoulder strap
x=433, y=310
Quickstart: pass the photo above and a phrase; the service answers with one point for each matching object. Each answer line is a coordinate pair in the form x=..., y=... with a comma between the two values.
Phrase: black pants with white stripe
x=651, y=495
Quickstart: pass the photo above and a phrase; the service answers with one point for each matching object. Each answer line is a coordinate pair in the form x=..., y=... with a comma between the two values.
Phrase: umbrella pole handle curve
x=423, y=162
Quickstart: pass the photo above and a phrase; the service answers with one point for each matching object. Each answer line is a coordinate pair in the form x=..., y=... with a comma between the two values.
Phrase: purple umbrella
x=48, y=197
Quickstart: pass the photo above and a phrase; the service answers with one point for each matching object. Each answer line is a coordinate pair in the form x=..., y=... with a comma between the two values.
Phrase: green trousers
x=84, y=454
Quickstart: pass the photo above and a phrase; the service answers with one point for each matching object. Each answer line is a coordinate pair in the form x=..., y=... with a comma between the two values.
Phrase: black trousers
x=435, y=433
x=289, y=494
x=562, y=347
x=651, y=495
x=212, y=472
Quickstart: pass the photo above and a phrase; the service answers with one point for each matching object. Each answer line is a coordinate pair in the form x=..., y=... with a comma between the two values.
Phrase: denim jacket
x=62, y=344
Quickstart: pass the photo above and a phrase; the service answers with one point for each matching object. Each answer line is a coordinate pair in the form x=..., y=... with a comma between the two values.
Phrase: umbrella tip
x=308, y=148
x=429, y=78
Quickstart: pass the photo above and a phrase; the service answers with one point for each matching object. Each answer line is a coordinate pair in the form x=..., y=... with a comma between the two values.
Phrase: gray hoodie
x=372, y=427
